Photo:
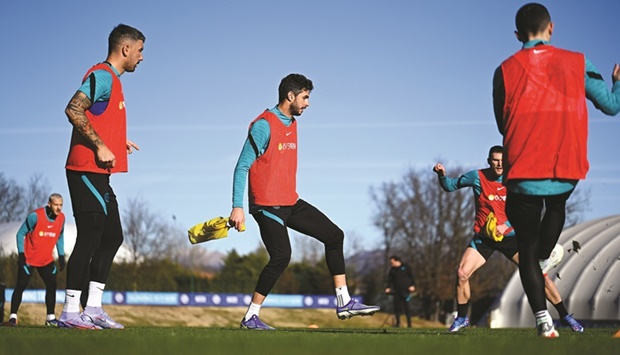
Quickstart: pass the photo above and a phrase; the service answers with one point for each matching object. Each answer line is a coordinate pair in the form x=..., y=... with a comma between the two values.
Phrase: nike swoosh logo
x=501, y=188
x=288, y=133
x=48, y=227
x=538, y=51
x=71, y=295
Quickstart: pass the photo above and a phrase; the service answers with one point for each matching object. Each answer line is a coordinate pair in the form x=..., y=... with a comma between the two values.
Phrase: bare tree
x=430, y=229
x=11, y=196
x=36, y=192
x=17, y=201
x=148, y=236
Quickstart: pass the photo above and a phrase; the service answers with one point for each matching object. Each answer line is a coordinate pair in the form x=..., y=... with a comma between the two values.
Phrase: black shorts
x=90, y=192
x=487, y=246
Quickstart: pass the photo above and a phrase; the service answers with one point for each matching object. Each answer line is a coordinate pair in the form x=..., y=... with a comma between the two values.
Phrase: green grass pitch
x=194, y=340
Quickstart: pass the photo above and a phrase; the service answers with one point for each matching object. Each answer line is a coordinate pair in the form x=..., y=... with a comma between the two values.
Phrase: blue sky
x=398, y=85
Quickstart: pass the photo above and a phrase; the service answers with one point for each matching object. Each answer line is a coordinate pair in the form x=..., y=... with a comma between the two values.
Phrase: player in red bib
x=36, y=238
x=492, y=232
x=270, y=157
x=539, y=100
x=99, y=148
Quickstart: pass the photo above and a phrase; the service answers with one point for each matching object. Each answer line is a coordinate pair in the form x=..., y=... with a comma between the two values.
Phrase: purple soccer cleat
x=354, y=308
x=82, y=321
x=254, y=323
x=103, y=320
x=458, y=324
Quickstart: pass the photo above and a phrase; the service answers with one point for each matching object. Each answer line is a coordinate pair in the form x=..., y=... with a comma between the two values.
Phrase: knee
x=462, y=275
x=280, y=262
x=335, y=241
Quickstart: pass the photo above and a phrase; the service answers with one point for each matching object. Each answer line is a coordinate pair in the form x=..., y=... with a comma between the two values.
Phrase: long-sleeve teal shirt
x=28, y=226
x=597, y=92
x=469, y=179
x=260, y=134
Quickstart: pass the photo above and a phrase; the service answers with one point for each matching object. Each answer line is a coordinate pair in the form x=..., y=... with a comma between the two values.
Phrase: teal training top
x=28, y=226
x=596, y=91
x=469, y=179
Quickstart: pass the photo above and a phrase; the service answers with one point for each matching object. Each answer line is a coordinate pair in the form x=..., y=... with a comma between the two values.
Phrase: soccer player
x=539, y=99
x=401, y=285
x=99, y=148
x=42, y=230
x=270, y=156
x=490, y=199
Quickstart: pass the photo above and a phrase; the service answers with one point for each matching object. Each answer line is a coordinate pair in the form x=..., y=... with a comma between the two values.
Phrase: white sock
x=342, y=296
x=13, y=315
x=72, y=301
x=252, y=310
x=543, y=317
x=95, y=293
x=50, y=317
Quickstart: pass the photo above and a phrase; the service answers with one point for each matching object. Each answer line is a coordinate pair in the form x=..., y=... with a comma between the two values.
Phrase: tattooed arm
x=75, y=111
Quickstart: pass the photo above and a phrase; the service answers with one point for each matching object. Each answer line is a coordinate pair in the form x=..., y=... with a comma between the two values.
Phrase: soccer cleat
x=52, y=323
x=104, y=321
x=555, y=258
x=354, y=308
x=459, y=323
x=571, y=322
x=12, y=322
x=547, y=330
x=82, y=321
x=254, y=323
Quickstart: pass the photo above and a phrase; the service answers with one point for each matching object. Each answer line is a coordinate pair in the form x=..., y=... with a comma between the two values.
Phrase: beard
x=295, y=110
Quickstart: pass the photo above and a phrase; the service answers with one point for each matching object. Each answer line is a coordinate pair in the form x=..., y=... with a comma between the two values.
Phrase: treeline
x=238, y=274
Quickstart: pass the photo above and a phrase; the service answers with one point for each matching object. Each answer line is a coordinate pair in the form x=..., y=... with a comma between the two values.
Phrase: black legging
x=535, y=238
x=99, y=237
x=304, y=218
x=47, y=273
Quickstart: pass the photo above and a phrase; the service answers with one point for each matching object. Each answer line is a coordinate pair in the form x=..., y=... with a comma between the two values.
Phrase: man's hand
x=411, y=289
x=237, y=218
x=388, y=291
x=615, y=75
x=21, y=260
x=105, y=157
x=502, y=228
x=61, y=262
x=131, y=146
x=439, y=170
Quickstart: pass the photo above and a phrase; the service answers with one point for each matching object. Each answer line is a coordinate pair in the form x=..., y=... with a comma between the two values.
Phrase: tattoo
x=75, y=111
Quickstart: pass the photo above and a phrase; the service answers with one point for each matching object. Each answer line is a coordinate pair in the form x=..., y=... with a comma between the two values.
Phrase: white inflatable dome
x=588, y=278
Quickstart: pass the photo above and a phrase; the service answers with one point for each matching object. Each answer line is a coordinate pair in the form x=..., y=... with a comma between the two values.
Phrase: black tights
x=536, y=238
x=98, y=239
x=304, y=218
x=47, y=273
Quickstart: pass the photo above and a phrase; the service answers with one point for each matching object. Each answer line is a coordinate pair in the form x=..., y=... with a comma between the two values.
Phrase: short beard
x=294, y=110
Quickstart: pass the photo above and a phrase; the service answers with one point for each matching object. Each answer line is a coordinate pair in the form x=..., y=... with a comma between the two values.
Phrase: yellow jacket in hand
x=216, y=228
x=491, y=228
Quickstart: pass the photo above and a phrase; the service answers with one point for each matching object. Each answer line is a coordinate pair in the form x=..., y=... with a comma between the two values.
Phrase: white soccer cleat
x=557, y=254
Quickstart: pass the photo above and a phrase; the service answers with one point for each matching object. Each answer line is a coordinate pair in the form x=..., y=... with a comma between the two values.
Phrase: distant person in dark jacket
x=401, y=285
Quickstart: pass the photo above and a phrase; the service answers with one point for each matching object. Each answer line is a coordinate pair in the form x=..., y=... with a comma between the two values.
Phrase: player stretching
x=490, y=199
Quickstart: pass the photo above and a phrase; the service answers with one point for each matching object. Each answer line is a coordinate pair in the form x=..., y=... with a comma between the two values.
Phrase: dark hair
x=395, y=257
x=295, y=83
x=532, y=18
x=121, y=33
x=496, y=149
